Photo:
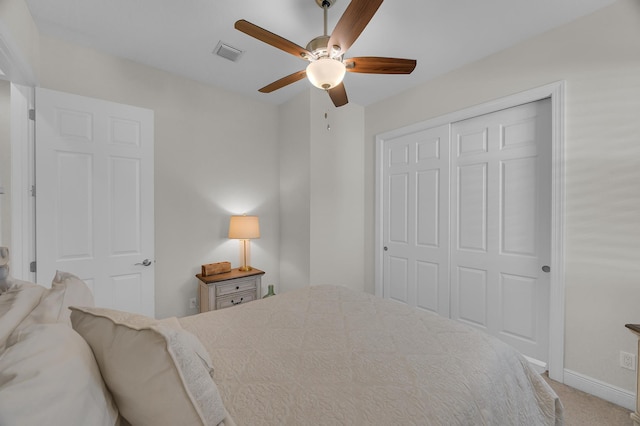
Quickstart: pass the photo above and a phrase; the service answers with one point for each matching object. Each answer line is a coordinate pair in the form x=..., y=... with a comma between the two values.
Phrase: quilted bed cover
x=326, y=355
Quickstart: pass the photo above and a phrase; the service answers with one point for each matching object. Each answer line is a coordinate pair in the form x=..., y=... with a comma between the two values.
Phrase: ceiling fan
x=325, y=53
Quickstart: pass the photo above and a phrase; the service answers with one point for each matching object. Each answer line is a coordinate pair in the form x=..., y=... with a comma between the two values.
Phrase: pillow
x=5, y=276
x=157, y=373
x=15, y=305
x=66, y=290
x=48, y=375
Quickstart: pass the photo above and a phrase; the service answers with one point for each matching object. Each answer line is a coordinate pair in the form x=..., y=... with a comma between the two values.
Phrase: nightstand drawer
x=236, y=299
x=236, y=286
x=229, y=288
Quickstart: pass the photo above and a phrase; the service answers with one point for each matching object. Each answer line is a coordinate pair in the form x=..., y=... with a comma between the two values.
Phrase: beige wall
x=599, y=58
x=5, y=164
x=19, y=39
x=295, y=200
x=337, y=192
x=215, y=155
x=321, y=192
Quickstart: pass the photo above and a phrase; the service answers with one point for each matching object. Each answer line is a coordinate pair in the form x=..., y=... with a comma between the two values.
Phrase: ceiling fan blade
x=352, y=22
x=284, y=81
x=338, y=95
x=272, y=39
x=377, y=65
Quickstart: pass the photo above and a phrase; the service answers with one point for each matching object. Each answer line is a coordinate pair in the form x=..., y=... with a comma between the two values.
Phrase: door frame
x=23, y=218
x=556, y=92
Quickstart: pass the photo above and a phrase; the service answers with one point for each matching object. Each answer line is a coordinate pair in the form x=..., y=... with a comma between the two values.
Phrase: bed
x=321, y=355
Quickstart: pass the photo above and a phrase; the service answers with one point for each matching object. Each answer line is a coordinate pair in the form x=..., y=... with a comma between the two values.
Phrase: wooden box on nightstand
x=229, y=289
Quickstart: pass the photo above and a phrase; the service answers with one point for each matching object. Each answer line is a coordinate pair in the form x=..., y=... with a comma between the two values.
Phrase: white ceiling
x=179, y=36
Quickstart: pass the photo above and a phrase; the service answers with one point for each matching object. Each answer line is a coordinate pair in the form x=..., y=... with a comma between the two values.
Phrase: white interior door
x=501, y=225
x=416, y=212
x=94, y=204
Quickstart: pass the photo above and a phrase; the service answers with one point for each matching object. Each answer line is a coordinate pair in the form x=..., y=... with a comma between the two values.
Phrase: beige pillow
x=48, y=376
x=156, y=372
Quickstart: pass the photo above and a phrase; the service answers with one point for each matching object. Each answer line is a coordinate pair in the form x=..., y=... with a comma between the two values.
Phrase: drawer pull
x=238, y=302
x=237, y=287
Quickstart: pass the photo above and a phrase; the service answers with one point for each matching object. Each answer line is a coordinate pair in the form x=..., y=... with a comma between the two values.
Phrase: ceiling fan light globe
x=326, y=73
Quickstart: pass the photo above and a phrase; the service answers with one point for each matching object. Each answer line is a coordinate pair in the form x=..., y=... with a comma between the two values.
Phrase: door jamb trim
x=22, y=179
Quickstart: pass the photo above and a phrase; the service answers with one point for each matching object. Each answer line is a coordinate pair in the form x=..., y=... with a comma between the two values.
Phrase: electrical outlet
x=193, y=304
x=627, y=360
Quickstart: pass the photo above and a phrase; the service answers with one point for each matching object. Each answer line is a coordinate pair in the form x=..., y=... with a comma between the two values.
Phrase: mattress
x=329, y=355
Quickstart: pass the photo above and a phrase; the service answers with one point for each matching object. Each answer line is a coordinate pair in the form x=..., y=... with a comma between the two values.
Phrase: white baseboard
x=539, y=366
x=602, y=390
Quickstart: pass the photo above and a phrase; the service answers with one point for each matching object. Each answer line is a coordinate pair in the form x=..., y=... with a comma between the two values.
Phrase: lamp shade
x=244, y=227
x=326, y=73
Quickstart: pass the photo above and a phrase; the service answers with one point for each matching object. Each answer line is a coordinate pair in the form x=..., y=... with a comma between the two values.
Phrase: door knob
x=386, y=248
x=546, y=268
x=145, y=262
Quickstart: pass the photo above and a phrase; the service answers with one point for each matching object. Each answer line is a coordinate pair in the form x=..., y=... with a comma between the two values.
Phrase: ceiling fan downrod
x=318, y=46
x=325, y=7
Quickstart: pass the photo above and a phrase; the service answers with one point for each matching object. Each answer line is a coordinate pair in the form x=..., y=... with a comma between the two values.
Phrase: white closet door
x=500, y=225
x=416, y=214
x=94, y=204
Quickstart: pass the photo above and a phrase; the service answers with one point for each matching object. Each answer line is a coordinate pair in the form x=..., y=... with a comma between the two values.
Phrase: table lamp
x=244, y=228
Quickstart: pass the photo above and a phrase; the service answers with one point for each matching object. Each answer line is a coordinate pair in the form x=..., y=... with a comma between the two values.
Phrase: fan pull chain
x=326, y=117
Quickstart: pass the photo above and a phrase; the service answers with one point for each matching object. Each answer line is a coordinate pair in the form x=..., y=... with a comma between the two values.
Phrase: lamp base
x=245, y=268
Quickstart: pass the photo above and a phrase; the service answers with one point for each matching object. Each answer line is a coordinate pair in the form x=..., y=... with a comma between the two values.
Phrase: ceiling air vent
x=227, y=52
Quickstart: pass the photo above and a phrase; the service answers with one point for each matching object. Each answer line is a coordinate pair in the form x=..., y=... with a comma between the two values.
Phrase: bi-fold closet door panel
x=500, y=216
x=416, y=215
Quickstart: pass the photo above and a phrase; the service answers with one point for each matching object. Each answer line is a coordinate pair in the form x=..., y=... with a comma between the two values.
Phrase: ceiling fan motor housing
x=319, y=47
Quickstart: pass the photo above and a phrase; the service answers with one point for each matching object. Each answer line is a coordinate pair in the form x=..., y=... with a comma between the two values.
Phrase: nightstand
x=231, y=288
x=635, y=416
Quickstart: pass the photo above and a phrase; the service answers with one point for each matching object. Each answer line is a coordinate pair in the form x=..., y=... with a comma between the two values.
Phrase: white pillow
x=66, y=290
x=15, y=305
x=48, y=376
x=157, y=373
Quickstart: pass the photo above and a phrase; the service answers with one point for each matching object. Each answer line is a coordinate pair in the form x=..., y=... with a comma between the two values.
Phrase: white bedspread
x=329, y=356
